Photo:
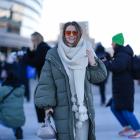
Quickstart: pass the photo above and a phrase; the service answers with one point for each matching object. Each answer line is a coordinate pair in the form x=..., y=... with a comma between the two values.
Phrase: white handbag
x=48, y=129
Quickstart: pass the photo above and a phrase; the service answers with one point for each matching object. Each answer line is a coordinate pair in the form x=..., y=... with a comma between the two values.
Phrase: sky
x=105, y=18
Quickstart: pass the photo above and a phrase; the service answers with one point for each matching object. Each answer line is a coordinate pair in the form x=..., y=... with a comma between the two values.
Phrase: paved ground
x=106, y=125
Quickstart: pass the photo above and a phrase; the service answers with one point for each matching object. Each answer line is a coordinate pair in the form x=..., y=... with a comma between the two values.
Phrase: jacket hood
x=126, y=49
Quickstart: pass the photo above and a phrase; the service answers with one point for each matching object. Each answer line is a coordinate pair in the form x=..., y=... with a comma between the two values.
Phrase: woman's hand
x=91, y=57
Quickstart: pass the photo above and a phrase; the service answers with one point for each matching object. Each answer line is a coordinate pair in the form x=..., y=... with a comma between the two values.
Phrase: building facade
x=18, y=19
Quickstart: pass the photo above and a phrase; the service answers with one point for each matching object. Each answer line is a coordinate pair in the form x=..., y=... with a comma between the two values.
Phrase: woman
x=64, y=87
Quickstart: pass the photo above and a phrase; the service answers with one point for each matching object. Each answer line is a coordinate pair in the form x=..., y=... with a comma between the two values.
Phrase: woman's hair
x=76, y=25
x=38, y=36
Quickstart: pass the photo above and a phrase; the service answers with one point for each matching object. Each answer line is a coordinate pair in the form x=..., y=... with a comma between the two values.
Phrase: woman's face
x=71, y=36
x=113, y=45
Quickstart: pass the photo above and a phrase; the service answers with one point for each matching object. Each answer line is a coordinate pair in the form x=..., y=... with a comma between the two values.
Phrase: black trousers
x=102, y=92
x=40, y=114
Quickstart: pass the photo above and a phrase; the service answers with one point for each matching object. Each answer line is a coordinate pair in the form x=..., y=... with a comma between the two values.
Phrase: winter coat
x=11, y=109
x=36, y=58
x=122, y=80
x=53, y=91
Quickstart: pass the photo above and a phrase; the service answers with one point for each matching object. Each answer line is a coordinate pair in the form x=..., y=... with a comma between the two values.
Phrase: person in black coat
x=36, y=58
x=23, y=76
x=122, y=104
x=101, y=53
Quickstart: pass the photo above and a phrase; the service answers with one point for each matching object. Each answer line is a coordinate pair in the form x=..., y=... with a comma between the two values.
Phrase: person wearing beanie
x=118, y=39
x=122, y=105
x=64, y=85
x=102, y=54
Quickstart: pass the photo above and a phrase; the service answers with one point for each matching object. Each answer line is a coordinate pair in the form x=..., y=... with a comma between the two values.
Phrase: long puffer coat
x=122, y=80
x=53, y=91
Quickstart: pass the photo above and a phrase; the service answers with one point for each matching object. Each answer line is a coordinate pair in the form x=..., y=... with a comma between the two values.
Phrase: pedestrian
x=64, y=85
x=11, y=102
x=122, y=104
x=101, y=53
x=36, y=59
x=36, y=56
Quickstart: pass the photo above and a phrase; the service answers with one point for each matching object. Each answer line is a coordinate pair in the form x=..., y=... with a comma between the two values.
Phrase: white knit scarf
x=75, y=61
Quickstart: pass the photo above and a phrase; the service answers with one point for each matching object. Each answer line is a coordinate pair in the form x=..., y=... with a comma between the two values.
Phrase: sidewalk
x=106, y=125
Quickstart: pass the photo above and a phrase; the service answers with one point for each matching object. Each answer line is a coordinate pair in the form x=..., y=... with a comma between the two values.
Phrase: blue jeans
x=126, y=118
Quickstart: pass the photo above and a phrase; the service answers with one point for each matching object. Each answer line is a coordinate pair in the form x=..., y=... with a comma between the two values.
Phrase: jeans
x=126, y=118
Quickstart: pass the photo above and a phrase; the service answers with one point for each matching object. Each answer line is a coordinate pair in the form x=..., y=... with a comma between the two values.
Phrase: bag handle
x=51, y=121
